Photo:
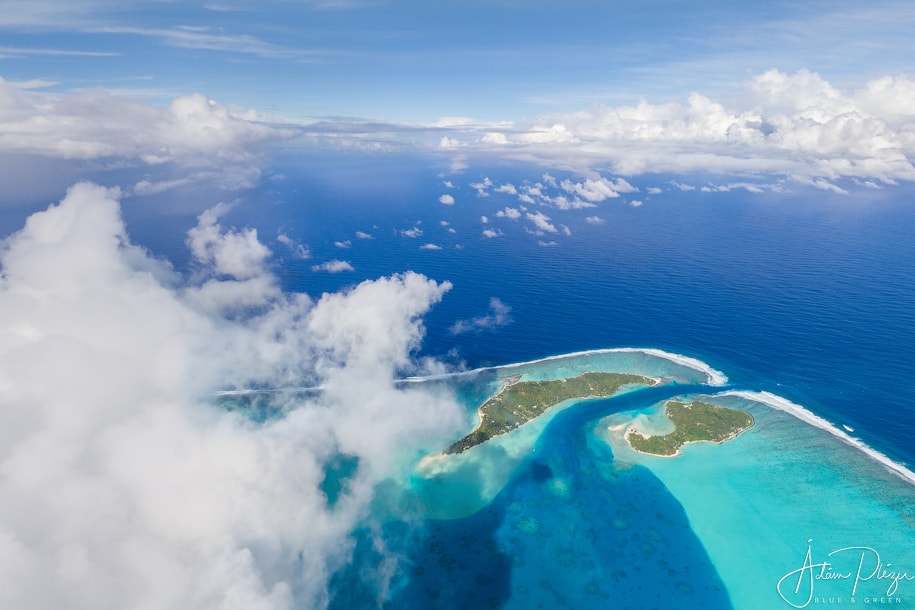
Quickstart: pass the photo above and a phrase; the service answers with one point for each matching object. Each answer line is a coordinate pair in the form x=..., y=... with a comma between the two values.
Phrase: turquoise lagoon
x=794, y=512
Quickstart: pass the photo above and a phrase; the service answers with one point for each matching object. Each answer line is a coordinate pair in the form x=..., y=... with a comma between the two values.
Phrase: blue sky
x=420, y=61
x=800, y=93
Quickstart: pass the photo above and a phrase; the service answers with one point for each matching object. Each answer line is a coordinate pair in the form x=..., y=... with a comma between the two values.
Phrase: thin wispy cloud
x=497, y=317
x=206, y=39
x=23, y=51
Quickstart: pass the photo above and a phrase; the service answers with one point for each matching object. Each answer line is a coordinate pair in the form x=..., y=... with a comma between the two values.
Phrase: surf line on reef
x=783, y=404
x=715, y=377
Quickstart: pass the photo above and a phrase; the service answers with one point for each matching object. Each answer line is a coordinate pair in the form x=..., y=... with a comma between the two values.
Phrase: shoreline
x=631, y=429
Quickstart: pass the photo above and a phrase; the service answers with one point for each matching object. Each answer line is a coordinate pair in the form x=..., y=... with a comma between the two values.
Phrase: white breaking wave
x=715, y=377
x=783, y=404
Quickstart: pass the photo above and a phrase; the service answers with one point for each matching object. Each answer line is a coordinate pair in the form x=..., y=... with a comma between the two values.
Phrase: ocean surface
x=802, y=298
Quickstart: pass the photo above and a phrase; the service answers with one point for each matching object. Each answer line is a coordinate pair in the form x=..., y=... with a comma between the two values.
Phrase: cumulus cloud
x=594, y=220
x=511, y=213
x=363, y=235
x=124, y=485
x=597, y=189
x=508, y=188
x=481, y=187
x=343, y=244
x=541, y=221
x=796, y=126
x=333, y=266
x=491, y=233
x=237, y=254
x=412, y=233
x=96, y=124
x=446, y=200
x=430, y=247
x=497, y=316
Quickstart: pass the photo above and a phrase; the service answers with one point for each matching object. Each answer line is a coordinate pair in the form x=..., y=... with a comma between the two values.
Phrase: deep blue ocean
x=804, y=293
x=808, y=294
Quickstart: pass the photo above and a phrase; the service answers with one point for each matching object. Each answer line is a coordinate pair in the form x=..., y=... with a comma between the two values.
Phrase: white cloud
x=563, y=203
x=794, y=126
x=448, y=184
x=594, y=220
x=237, y=254
x=446, y=200
x=95, y=124
x=491, y=233
x=363, y=235
x=146, y=187
x=498, y=316
x=597, y=189
x=547, y=244
x=635, y=203
x=412, y=233
x=430, y=247
x=494, y=137
x=653, y=190
x=541, y=221
x=333, y=266
x=124, y=486
x=481, y=187
x=343, y=244
x=508, y=188
x=512, y=213
x=484, y=219
x=298, y=249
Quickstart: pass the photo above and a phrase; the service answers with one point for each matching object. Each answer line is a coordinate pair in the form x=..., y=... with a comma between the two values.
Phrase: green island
x=518, y=402
x=694, y=421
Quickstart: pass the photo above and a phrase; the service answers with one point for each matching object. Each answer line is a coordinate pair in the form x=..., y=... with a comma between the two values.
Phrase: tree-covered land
x=521, y=401
x=694, y=421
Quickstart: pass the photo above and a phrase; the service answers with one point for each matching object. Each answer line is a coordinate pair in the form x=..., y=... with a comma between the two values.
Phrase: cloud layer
x=121, y=484
x=797, y=126
x=191, y=132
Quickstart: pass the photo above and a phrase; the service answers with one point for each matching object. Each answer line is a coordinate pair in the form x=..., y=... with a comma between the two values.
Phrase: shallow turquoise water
x=561, y=513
